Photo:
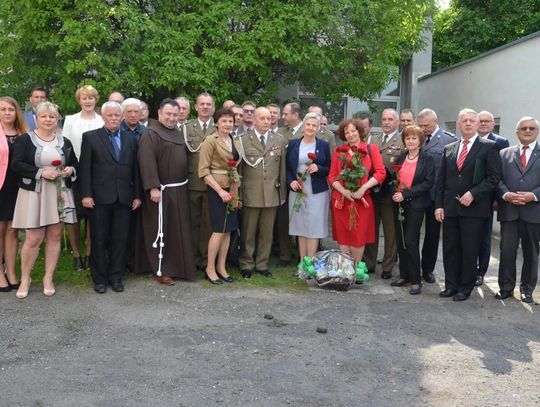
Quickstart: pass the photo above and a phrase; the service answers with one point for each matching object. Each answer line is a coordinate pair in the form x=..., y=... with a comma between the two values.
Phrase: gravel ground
x=198, y=345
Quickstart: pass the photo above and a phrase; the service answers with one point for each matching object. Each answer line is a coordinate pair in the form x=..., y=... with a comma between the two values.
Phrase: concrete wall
x=505, y=81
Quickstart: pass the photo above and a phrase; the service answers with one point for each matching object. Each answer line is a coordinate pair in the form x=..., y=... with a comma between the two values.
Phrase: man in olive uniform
x=196, y=132
x=262, y=191
x=391, y=147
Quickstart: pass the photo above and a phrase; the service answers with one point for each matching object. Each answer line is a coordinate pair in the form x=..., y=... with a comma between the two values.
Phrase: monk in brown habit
x=164, y=245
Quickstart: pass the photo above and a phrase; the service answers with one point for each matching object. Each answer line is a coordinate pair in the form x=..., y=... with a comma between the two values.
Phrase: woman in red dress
x=353, y=214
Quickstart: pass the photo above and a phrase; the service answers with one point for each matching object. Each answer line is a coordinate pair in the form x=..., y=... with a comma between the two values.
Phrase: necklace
x=412, y=158
x=44, y=139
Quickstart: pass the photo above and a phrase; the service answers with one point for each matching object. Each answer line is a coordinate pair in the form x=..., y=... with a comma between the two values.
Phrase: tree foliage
x=233, y=49
x=470, y=27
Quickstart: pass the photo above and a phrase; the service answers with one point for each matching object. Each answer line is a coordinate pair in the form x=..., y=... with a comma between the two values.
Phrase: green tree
x=233, y=49
x=470, y=27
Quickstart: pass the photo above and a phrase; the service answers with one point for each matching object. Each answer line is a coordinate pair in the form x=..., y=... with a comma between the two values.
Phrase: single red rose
x=350, y=164
x=232, y=163
x=396, y=167
x=312, y=156
x=56, y=163
x=354, y=149
x=342, y=149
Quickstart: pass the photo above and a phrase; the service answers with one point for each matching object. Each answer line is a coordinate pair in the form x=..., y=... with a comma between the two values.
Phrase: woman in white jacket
x=74, y=127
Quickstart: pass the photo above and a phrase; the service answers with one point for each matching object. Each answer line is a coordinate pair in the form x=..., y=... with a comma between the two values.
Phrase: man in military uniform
x=196, y=132
x=391, y=147
x=262, y=191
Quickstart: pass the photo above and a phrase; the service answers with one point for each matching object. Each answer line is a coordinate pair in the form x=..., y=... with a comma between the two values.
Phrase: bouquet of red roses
x=301, y=177
x=351, y=174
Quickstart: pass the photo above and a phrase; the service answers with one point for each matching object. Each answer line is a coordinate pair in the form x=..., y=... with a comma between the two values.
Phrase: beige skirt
x=53, y=204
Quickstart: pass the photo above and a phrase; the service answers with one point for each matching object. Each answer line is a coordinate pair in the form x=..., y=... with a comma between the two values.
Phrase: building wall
x=505, y=81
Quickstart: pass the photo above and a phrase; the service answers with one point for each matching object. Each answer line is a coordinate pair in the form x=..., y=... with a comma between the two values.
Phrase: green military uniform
x=384, y=210
x=262, y=190
x=200, y=221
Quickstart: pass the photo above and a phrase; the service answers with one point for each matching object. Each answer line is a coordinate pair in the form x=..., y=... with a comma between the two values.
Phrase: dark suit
x=485, y=248
x=462, y=226
x=415, y=200
x=113, y=185
x=30, y=120
x=519, y=222
x=430, y=247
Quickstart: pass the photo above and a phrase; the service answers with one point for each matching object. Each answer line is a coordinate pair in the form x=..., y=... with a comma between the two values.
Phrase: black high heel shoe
x=228, y=279
x=5, y=289
x=218, y=281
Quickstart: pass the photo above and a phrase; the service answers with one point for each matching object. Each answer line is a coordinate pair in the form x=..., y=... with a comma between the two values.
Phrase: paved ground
x=198, y=345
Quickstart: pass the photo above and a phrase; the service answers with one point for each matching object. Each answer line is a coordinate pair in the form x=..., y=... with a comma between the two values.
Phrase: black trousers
x=430, y=247
x=485, y=247
x=110, y=232
x=511, y=234
x=461, y=245
x=408, y=242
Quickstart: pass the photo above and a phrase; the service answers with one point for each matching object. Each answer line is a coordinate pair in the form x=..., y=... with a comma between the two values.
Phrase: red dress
x=363, y=230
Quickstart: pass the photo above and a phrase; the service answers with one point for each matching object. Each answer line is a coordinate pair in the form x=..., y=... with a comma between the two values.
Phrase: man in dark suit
x=470, y=171
x=436, y=140
x=519, y=211
x=110, y=187
x=485, y=130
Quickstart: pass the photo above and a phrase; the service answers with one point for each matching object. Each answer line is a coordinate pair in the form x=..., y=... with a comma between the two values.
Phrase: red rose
x=362, y=150
x=56, y=163
x=354, y=149
x=350, y=165
x=396, y=167
x=342, y=149
x=232, y=163
x=312, y=156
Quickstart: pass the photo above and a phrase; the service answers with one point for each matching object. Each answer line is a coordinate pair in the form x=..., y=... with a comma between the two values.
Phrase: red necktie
x=462, y=155
x=524, y=158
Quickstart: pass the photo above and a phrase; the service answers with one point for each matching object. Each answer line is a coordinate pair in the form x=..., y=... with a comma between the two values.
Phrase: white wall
x=505, y=82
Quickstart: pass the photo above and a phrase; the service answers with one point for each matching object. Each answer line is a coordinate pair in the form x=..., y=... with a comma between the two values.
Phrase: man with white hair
x=132, y=115
x=469, y=173
x=519, y=211
x=436, y=140
x=183, y=103
x=485, y=130
x=109, y=182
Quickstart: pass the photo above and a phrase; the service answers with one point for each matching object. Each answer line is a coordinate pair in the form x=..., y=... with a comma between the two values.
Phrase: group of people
x=163, y=196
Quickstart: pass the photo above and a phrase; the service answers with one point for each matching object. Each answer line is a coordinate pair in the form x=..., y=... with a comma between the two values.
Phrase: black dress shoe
x=246, y=273
x=449, y=292
x=117, y=287
x=386, y=275
x=460, y=297
x=502, y=295
x=100, y=288
x=527, y=298
x=415, y=289
x=265, y=273
x=216, y=282
x=399, y=283
x=429, y=278
x=479, y=281
x=228, y=279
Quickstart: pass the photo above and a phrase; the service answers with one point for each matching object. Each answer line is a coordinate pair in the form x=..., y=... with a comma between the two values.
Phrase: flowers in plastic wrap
x=332, y=269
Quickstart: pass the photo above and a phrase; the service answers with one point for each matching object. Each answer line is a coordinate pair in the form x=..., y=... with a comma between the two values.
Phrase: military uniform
x=262, y=190
x=194, y=136
x=390, y=151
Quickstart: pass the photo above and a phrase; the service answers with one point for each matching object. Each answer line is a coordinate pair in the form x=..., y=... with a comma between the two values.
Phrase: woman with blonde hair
x=12, y=125
x=74, y=127
x=46, y=165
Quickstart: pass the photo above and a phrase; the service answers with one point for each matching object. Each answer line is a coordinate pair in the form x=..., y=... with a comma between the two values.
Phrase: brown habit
x=163, y=160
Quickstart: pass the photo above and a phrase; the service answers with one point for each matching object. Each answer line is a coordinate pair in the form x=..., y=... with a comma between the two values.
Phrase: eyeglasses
x=530, y=128
x=249, y=110
x=486, y=121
